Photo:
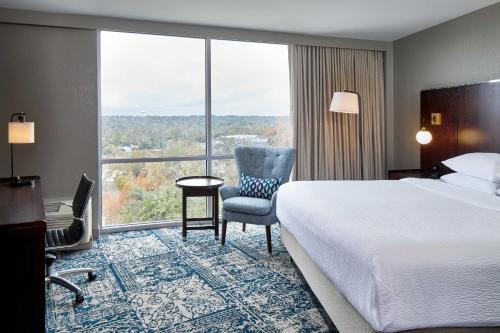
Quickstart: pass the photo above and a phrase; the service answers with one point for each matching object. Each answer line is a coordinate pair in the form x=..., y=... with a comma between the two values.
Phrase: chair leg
x=268, y=236
x=68, y=285
x=75, y=271
x=244, y=227
x=90, y=272
x=224, y=227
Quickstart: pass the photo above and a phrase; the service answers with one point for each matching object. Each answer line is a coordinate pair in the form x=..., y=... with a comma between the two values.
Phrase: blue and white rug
x=150, y=281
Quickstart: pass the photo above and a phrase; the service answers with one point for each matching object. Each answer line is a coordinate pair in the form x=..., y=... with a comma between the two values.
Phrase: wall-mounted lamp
x=423, y=136
x=19, y=132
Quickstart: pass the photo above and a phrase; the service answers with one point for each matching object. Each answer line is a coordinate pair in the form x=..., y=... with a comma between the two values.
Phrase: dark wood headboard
x=470, y=121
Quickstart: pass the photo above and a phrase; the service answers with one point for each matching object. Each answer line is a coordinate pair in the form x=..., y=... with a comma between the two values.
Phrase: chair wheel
x=79, y=298
x=92, y=276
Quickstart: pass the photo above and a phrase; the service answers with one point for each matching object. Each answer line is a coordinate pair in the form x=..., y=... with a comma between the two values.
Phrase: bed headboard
x=470, y=121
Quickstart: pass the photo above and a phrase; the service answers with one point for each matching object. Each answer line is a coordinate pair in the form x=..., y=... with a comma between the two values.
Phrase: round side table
x=200, y=186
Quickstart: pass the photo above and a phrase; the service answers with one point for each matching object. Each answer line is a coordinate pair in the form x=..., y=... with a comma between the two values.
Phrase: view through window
x=156, y=125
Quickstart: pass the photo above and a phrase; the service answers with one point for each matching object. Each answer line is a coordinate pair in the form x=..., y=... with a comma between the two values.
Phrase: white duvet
x=407, y=254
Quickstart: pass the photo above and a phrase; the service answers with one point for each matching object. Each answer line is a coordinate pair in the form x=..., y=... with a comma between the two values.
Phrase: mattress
x=408, y=254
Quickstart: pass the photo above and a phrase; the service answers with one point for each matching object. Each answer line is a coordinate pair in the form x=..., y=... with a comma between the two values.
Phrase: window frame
x=208, y=157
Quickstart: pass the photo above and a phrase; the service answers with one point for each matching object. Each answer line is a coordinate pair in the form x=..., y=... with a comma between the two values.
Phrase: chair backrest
x=76, y=230
x=82, y=196
x=265, y=162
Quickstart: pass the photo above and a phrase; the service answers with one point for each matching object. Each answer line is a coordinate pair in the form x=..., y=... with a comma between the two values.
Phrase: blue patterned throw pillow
x=258, y=187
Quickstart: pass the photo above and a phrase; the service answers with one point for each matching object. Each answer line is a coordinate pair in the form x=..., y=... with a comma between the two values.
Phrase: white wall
x=464, y=50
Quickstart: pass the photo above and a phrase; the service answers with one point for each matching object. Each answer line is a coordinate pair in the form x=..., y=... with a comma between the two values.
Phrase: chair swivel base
x=56, y=278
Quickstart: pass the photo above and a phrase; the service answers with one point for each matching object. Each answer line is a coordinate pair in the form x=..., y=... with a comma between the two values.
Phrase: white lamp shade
x=345, y=102
x=423, y=136
x=21, y=132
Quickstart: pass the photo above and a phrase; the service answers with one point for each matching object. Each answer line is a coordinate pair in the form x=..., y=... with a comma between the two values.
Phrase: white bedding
x=407, y=254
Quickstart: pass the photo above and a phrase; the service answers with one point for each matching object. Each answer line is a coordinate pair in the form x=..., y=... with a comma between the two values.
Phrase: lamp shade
x=423, y=136
x=345, y=102
x=21, y=132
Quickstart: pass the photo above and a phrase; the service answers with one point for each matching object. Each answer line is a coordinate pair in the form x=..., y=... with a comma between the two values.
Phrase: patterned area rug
x=150, y=281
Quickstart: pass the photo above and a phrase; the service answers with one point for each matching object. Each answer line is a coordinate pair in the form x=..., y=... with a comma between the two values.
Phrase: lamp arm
x=21, y=116
x=11, y=161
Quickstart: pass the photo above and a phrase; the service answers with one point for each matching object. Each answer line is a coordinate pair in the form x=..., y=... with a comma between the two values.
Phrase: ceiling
x=385, y=20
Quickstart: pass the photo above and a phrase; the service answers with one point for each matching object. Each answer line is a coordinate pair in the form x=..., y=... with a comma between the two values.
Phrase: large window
x=250, y=95
x=157, y=124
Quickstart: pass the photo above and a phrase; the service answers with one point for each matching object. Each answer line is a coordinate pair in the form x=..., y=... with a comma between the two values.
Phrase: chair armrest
x=84, y=230
x=229, y=191
x=63, y=203
x=79, y=219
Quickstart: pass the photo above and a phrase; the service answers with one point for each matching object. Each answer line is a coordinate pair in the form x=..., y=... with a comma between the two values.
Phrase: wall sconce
x=423, y=136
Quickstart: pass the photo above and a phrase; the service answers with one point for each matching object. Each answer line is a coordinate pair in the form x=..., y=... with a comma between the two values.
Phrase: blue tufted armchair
x=262, y=163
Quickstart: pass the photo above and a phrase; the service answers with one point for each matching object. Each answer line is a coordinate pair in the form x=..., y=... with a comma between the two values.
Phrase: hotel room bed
x=388, y=256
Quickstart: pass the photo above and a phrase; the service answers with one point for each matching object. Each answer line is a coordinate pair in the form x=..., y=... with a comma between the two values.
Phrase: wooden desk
x=22, y=247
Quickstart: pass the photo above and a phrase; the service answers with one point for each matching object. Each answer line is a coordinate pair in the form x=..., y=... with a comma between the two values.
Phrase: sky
x=161, y=75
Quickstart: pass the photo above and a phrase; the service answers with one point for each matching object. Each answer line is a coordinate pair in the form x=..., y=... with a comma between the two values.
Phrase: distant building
x=110, y=177
x=129, y=149
x=246, y=140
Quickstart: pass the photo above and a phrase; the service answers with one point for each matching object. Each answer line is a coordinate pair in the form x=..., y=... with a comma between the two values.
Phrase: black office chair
x=68, y=238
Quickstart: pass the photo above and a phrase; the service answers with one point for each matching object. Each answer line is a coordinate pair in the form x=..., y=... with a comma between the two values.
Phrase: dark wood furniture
x=200, y=186
x=414, y=173
x=444, y=136
x=470, y=121
x=22, y=245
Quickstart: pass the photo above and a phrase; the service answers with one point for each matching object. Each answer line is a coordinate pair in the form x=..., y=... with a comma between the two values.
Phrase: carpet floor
x=151, y=281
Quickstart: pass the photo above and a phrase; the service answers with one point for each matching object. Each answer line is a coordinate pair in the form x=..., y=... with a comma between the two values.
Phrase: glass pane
x=250, y=95
x=145, y=192
x=226, y=169
x=152, y=95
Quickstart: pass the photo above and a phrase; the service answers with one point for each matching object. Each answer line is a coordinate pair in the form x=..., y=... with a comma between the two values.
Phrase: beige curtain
x=327, y=143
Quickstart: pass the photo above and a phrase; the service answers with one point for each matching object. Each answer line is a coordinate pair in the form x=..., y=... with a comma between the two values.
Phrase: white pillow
x=481, y=165
x=472, y=183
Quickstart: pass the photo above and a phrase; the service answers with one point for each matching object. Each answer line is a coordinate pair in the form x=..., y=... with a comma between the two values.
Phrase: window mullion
x=208, y=105
x=208, y=115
